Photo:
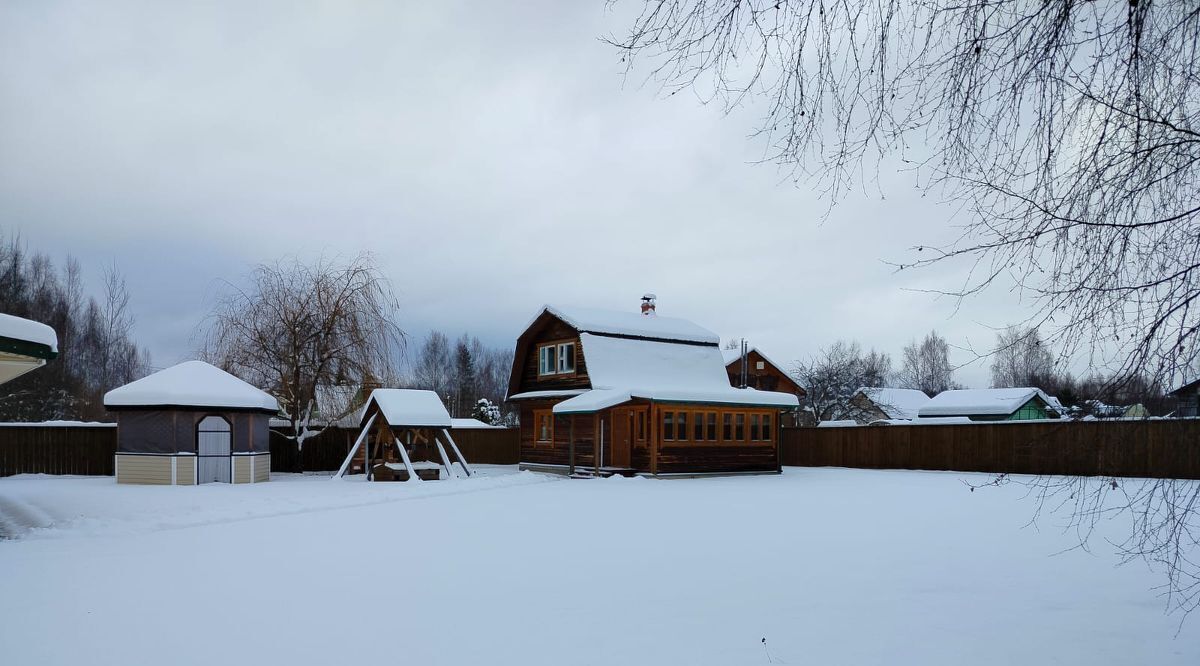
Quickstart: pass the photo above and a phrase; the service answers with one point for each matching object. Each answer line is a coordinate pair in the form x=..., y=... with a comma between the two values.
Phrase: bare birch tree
x=926, y=365
x=297, y=327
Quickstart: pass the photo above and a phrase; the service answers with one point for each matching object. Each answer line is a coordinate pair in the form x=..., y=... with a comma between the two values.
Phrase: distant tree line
x=1020, y=358
x=471, y=378
x=96, y=349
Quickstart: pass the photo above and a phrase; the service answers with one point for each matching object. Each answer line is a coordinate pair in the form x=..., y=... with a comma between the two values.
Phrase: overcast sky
x=491, y=155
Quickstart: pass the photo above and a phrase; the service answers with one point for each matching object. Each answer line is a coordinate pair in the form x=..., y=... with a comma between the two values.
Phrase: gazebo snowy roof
x=24, y=345
x=192, y=384
x=413, y=408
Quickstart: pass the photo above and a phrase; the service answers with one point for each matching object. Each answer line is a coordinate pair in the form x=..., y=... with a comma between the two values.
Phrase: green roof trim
x=27, y=348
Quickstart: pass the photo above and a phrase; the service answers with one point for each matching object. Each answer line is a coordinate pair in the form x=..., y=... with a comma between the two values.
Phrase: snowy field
x=832, y=566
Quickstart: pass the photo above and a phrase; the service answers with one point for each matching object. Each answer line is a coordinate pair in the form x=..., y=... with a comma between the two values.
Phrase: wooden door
x=622, y=437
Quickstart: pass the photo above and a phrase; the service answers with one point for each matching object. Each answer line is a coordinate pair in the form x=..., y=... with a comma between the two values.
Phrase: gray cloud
x=490, y=155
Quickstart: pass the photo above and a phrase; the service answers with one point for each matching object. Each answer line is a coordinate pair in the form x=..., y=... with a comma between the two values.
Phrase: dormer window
x=556, y=358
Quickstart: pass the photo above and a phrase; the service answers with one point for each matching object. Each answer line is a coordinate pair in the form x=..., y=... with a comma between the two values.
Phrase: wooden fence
x=57, y=449
x=1150, y=448
x=325, y=452
x=89, y=450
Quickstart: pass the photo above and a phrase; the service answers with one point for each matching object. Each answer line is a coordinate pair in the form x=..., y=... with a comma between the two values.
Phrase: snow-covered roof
x=895, y=402
x=191, y=384
x=27, y=330
x=470, y=424
x=932, y=420
x=621, y=369
x=967, y=402
x=410, y=407
x=633, y=324
x=842, y=423
x=557, y=393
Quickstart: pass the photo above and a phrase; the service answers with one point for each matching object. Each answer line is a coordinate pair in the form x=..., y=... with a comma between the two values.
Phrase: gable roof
x=996, y=401
x=896, y=403
x=409, y=407
x=629, y=324
x=191, y=384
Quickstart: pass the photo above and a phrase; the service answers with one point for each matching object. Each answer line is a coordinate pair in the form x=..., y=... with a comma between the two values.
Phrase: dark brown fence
x=57, y=450
x=325, y=452
x=1151, y=448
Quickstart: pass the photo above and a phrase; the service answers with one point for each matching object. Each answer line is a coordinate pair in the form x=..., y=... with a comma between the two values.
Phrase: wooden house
x=189, y=424
x=603, y=392
x=1187, y=399
x=871, y=404
x=998, y=404
x=759, y=372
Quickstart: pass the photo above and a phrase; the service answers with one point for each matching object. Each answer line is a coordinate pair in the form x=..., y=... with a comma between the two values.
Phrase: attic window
x=556, y=359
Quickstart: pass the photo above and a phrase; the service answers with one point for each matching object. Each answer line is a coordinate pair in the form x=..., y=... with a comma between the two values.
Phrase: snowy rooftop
x=410, y=407
x=964, y=402
x=896, y=403
x=470, y=424
x=27, y=330
x=621, y=369
x=191, y=384
x=615, y=322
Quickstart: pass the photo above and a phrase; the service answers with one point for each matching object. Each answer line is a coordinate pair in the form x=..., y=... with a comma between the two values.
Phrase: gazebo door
x=213, y=446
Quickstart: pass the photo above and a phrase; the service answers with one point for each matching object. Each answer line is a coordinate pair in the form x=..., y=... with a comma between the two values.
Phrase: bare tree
x=832, y=377
x=432, y=369
x=1069, y=131
x=927, y=365
x=297, y=327
x=1021, y=358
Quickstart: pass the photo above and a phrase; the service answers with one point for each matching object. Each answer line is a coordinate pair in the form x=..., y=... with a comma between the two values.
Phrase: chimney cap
x=649, y=297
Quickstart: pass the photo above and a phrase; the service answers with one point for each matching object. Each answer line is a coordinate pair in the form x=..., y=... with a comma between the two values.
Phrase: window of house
x=727, y=427
x=566, y=358
x=739, y=427
x=755, y=420
x=698, y=427
x=668, y=426
x=543, y=423
x=546, y=364
x=712, y=427
x=767, y=433
x=681, y=426
x=641, y=426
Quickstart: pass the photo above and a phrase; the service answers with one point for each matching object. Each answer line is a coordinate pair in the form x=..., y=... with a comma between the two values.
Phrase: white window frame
x=562, y=358
x=547, y=360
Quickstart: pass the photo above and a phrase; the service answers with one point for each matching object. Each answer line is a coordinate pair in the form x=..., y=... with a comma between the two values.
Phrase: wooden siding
x=557, y=452
x=185, y=470
x=144, y=469
x=262, y=468
x=547, y=328
x=241, y=469
x=770, y=378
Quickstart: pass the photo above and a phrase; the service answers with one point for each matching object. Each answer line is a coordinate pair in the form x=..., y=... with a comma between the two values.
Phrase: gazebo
x=189, y=424
x=405, y=437
x=24, y=345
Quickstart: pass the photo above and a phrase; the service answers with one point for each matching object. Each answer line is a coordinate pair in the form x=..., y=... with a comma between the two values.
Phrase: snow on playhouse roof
x=896, y=403
x=621, y=369
x=27, y=330
x=410, y=407
x=632, y=324
x=967, y=402
x=191, y=384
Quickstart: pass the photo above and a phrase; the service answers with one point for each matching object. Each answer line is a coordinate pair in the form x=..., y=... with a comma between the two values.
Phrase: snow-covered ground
x=831, y=566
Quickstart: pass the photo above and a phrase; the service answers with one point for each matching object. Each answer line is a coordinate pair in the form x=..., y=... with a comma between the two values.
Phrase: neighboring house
x=25, y=345
x=999, y=404
x=764, y=374
x=891, y=404
x=620, y=392
x=1187, y=399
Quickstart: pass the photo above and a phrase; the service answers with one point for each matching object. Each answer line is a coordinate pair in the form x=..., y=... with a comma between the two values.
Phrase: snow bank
x=831, y=566
x=27, y=330
x=191, y=384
